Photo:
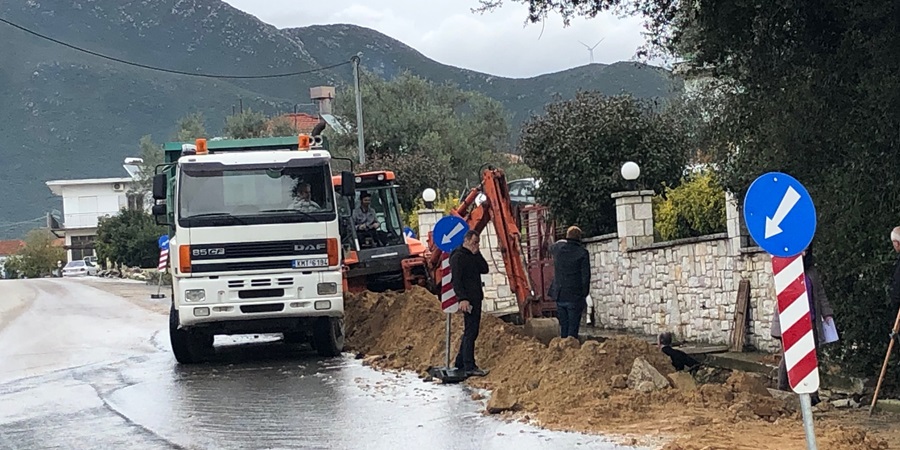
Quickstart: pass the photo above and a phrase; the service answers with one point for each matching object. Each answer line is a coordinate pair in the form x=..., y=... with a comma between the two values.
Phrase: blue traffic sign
x=163, y=242
x=408, y=232
x=449, y=233
x=780, y=214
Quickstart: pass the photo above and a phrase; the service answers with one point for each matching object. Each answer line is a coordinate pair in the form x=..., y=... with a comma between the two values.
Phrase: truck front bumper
x=255, y=297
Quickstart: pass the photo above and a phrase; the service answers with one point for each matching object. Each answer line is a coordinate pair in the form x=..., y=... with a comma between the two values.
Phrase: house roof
x=8, y=248
x=302, y=122
x=56, y=185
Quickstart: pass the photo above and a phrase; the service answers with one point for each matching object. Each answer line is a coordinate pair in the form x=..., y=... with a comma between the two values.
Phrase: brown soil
x=570, y=386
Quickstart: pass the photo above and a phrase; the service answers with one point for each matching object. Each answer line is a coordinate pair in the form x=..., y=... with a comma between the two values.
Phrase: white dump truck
x=254, y=242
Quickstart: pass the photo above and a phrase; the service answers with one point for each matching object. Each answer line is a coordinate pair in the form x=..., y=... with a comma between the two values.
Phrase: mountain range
x=66, y=114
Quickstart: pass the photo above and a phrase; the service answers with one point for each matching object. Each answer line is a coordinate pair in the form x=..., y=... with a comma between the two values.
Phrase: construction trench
x=602, y=387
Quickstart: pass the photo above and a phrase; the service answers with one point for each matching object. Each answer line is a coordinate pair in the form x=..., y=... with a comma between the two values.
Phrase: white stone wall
x=498, y=296
x=688, y=287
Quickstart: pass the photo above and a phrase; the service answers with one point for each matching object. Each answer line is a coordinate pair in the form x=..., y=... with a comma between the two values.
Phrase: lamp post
x=429, y=196
x=630, y=172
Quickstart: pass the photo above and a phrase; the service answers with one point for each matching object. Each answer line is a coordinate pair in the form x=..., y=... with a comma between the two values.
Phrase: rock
x=642, y=370
x=619, y=381
x=782, y=395
x=477, y=396
x=563, y=343
x=845, y=403
x=683, y=381
x=751, y=383
x=501, y=400
x=645, y=387
x=369, y=360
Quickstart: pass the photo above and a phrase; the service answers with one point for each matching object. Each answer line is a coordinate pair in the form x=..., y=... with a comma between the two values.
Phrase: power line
x=176, y=72
x=15, y=224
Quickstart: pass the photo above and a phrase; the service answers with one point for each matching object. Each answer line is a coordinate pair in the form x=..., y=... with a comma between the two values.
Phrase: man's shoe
x=476, y=373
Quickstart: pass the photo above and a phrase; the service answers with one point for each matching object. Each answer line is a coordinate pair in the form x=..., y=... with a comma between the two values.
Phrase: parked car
x=79, y=269
x=521, y=191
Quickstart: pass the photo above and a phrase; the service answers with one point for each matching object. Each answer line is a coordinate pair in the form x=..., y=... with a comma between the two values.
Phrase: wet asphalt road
x=84, y=369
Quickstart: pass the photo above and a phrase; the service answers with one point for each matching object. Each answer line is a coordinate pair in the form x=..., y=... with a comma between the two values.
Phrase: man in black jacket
x=466, y=267
x=895, y=280
x=571, y=281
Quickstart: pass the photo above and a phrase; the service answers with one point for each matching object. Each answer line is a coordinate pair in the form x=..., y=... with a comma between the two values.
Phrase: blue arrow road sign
x=449, y=233
x=780, y=214
x=163, y=242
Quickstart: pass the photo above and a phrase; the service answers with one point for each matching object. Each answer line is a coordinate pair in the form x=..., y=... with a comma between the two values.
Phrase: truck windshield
x=217, y=195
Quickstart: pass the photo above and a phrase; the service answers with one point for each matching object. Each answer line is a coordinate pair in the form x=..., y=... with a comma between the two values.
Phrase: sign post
x=163, y=243
x=781, y=218
x=448, y=234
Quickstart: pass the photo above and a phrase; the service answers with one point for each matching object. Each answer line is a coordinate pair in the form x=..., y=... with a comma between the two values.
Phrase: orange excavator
x=386, y=259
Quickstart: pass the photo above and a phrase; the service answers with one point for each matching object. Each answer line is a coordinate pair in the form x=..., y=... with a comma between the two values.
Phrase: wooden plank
x=741, y=313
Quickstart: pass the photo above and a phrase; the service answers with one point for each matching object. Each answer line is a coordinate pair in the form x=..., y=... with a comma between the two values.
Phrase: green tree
x=578, y=147
x=435, y=134
x=282, y=127
x=245, y=125
x=694, y=208
x=190, y=128
x=39, y=257
x=129, y=238
x=151, y=155
x=809, y=89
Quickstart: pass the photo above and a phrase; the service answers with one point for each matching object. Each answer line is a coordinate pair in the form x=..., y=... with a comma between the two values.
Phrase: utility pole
x=359, y=116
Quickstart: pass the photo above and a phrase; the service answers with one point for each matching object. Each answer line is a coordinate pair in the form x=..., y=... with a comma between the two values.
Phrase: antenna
x=591, y=49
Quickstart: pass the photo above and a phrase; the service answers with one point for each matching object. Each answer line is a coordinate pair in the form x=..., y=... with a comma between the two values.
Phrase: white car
x=79, y=269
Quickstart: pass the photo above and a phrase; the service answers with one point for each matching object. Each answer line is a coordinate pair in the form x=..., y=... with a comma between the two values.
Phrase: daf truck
x=254, y=242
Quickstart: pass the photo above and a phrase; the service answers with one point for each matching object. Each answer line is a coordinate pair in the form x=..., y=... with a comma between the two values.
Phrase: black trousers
x=465, y=359
x=569, y=315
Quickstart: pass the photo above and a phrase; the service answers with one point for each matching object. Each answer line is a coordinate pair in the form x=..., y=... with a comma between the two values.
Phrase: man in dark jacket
x=895, y=280
x=571, y=281
x=466, y=267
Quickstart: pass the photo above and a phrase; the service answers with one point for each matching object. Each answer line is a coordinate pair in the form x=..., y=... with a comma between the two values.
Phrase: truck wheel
x=189, y=347
x=294, y=337
x=328, y=336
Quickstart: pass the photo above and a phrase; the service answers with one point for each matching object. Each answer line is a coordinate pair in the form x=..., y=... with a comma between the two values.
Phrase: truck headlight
x=194, y=295
x=327, y=288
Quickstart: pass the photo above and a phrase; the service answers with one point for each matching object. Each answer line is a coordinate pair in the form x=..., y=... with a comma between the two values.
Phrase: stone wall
x=688, y=287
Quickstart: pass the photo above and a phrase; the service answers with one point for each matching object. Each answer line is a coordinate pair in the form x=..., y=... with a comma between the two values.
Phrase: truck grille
x=243, y=256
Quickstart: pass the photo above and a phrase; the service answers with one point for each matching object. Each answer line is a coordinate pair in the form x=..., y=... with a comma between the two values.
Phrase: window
x=218, y=195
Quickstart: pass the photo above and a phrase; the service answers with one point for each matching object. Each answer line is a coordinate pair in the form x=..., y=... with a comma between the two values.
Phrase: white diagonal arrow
x=773, y=224
x=449, y=236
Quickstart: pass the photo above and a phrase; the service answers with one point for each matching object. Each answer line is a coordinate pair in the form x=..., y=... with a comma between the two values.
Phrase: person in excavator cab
x=366, y=222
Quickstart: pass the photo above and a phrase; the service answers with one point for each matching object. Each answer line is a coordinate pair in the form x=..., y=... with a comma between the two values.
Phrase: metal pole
x=359, y=116
x=887, y=358
x=806, y=410
x=448, y=342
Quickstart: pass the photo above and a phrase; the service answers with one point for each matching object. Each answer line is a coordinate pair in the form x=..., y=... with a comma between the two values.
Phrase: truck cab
x=254, y=242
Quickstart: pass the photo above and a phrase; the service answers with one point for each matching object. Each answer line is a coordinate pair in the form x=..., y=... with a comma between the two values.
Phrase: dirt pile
x=582, y=387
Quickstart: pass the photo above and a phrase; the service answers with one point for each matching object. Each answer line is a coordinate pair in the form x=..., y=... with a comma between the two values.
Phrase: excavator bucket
x=544, y=329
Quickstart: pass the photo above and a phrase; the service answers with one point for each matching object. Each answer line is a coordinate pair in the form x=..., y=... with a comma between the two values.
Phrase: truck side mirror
x=348, y=184
x=159, y=214
x=159, y=187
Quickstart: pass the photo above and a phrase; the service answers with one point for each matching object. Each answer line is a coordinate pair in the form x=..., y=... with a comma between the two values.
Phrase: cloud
x=498, y=42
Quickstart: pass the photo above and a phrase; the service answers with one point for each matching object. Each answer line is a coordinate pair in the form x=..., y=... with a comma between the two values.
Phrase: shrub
x=695, y=208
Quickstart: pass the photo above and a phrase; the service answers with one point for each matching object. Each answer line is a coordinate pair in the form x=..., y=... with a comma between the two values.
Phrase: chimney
x=323, y=96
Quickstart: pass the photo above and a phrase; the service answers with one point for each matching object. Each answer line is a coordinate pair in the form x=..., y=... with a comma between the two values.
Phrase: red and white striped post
x=796, y=325
x=161, y=268
x=448, y=298
x=797, y=336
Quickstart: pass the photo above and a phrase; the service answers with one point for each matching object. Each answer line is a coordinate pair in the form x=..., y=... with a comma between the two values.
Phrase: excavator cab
x=372, y=233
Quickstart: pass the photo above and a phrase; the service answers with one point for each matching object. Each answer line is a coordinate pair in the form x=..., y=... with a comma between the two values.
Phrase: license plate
x=309, y=263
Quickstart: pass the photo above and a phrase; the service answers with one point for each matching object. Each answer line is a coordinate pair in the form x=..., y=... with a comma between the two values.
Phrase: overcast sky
x=497, y=43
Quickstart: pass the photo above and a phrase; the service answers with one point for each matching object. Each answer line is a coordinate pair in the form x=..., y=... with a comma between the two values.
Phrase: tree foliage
x=247, y=124
x=809, y=88
x=129, y=238
x=438, y=136
x=38, y=258
x=578, y=147
x=190, y=128
x=696, y=207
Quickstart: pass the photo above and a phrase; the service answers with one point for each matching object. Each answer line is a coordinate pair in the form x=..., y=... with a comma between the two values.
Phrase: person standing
x=895, y=280
x=571, y=281
x=819, y=312
x=466, y=267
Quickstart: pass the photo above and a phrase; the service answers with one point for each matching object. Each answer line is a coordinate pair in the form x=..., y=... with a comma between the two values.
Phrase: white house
x=84, y=203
